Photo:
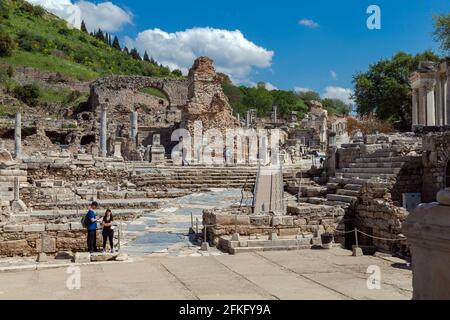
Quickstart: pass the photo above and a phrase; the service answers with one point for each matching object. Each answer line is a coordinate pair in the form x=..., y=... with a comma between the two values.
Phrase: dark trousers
x=92, y=240
x=108, y=234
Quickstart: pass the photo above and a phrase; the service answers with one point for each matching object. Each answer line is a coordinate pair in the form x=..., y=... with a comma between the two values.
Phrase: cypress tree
x=83, y=27
x=116, y=43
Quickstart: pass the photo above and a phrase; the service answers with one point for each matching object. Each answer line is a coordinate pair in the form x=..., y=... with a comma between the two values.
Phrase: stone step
x=332, y=185
x=370, y=159
x=331, y=203
x=342, y=198
x=352, y=187
x=366, y=176
x=376, y=164
x=346, y=181
x=351, y=193
x=370, y=170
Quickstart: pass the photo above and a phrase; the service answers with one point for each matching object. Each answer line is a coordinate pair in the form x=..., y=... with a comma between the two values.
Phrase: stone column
x=134, y=127
x=439, y=109
x=431, y=108
x=446, y=99
x=422, y=106
x=275, y=115
x=103, y=133
x=248, y=120
x=415, y=108
x=18, y=136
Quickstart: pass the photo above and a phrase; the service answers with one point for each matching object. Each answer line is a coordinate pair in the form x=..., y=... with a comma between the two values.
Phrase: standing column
x=134, y=127
x=415, y=108
x=422, y=107
x=446, y=99
x=18, y=136
x=103, y=133
x=275, y=115
x=439, y=107
x=16, y=189
x=431, y=109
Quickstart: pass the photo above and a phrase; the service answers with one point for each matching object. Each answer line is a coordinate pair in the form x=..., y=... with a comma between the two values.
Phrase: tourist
x=91, y=225
x=108, y=230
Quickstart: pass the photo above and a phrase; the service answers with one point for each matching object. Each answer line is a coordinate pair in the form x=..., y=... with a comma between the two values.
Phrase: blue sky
x=272, y=45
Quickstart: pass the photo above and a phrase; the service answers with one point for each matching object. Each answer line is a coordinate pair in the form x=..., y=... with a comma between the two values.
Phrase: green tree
x=259, y=98
x=7, y=45
x=146, y=57
x=442, y=31
x=288, y=101
x=177, y=73
x=116, y=43
x=384, y=89
x=83, y=27
x=336, y=107
x=135, y=54
x=308, y=96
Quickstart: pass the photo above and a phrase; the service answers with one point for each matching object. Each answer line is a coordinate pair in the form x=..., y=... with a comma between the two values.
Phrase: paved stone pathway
x=308, y=274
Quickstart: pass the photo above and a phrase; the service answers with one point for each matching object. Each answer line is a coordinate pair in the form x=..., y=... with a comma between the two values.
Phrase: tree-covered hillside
x=260, y=98
x=33, y=37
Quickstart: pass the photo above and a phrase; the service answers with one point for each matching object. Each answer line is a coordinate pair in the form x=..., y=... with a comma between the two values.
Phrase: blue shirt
x=91, y=215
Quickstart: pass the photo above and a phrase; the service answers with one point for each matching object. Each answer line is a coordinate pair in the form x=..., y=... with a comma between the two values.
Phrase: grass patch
x=154, y=92
x=50, y=63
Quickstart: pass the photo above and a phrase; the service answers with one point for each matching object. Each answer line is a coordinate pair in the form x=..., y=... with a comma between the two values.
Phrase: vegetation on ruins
x=442, y=31
x=46, y=42
x=368, y=125
x=384, y=90
x=28, y=94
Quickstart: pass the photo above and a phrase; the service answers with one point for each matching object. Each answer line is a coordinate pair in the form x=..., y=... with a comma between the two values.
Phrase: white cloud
x=302, y=89
x=106, y=15
x=232, y=53
x=343, y=94
x=309, y=23
x=333, y=74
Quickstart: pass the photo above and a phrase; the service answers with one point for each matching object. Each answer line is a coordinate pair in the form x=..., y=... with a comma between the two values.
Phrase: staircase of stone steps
x=384, y=165
x=201, y=177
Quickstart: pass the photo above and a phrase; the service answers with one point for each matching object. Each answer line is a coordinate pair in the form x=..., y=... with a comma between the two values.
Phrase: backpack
x=85, y=221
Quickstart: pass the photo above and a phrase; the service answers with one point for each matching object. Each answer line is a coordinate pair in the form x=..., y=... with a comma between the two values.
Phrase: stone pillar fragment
x=134, y=127
x=18, y=136
x=103, y=133
x=427, y=229
x=415, y=108
x=446, y=100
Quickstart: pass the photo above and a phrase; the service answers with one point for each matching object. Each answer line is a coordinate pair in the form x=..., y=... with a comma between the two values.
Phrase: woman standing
x=108, y=230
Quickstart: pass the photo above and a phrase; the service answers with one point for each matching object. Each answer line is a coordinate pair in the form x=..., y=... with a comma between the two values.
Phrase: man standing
x=91, y=225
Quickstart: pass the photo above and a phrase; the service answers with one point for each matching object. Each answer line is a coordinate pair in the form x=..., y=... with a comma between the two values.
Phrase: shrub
x=7, y=45
x=32, y=42
x=28, y=94
x=10, y=71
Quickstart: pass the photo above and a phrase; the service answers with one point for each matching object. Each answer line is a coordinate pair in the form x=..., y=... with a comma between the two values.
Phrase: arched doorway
x=447, y=174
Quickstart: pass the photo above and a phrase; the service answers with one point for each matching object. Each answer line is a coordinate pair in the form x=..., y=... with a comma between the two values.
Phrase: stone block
x=82, y=257
x=34, y=228
x=58, y=227
x=12, y=228
x=76, y=226
x=47, y=245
